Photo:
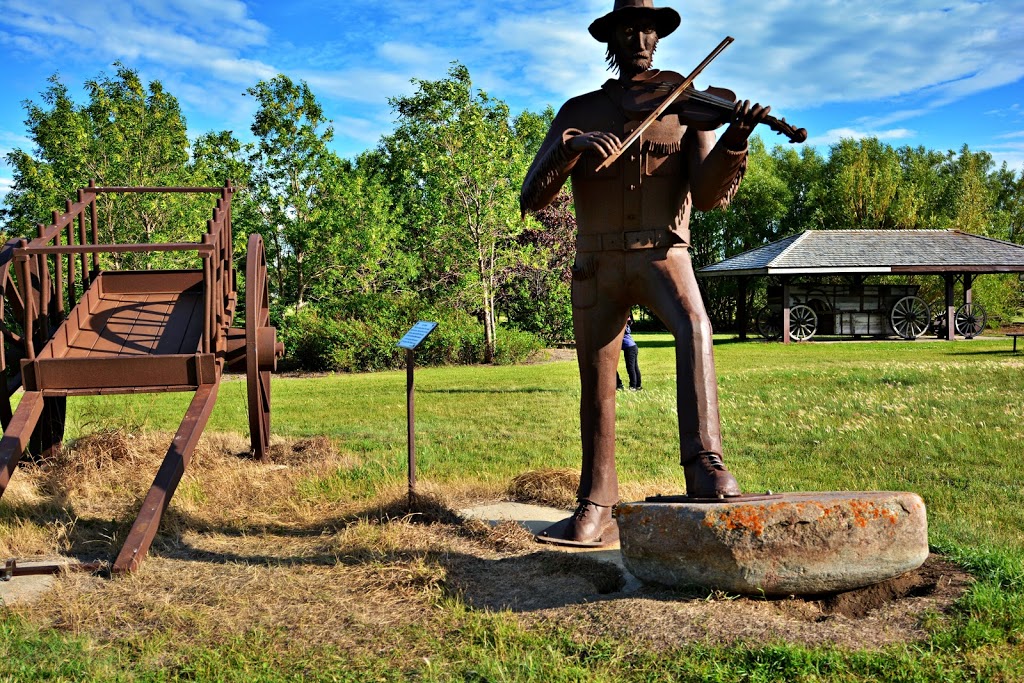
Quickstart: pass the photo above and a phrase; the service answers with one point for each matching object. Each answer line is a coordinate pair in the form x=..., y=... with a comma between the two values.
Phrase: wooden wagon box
x=845, y=309
x=76, y=329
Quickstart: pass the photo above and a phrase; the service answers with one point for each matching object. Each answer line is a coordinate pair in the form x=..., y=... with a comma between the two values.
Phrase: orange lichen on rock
x=744, y=517
x=865, y=511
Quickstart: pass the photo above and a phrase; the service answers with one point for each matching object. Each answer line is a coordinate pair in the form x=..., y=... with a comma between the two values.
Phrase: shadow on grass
x=421, y=560
x=670, y=343
x=496, y=390
x=524, y=581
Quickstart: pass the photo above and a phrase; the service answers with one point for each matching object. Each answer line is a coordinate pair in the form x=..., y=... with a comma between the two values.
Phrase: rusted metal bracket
x=745, y=498
x=11, y=569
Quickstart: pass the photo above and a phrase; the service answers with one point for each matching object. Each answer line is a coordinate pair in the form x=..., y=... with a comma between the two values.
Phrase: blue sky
x=938, y=73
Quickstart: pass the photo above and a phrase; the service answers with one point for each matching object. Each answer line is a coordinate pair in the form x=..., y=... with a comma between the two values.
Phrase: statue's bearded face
x=631, y=50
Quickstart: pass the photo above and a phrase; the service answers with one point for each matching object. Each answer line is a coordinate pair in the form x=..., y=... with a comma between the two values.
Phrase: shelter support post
x=968, y=286
x=741, y=307
x=950, y=308
x=785, y=310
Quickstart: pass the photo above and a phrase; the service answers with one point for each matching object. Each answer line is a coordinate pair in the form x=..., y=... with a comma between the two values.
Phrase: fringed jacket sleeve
x=715, y=172
x=551, y=167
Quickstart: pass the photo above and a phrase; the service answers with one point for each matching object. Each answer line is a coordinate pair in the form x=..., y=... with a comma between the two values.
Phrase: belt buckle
x=638, y=239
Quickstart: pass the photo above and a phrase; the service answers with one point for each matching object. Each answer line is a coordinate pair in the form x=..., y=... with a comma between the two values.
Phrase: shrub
x=320, y=342
x=514, y=346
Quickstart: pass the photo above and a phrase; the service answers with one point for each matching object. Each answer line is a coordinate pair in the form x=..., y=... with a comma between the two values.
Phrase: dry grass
x=240, y=549
x=553, y=487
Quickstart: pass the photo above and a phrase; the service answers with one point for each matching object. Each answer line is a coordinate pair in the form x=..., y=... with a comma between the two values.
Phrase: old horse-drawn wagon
x=860, y=310
x=72, y=328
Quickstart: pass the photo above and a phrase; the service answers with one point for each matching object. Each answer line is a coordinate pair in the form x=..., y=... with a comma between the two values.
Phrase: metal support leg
x=16, y=437
x=144, y=529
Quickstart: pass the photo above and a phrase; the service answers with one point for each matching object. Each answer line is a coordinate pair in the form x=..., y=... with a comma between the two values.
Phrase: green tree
x=371, y=262
x=457, y=160
x=968, y=197
x=127, y=134
x=803, y=175
x=294, y=185
x=1008, y=189
x=865, y=188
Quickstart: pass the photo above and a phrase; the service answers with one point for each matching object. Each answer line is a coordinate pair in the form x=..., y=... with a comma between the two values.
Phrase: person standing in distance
x=631, y=352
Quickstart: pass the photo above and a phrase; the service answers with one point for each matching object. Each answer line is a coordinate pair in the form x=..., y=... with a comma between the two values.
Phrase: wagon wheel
x=910, y=317
x=803, y=322
x=12, y=348
x=261, y=348
x=970, y=320
x=49, y=431
x=768, y=325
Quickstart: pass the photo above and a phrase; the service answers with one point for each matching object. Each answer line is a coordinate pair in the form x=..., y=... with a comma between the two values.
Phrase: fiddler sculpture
x=641, y=155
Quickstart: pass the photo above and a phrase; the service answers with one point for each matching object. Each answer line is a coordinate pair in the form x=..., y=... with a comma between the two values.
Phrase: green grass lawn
x=942, y=419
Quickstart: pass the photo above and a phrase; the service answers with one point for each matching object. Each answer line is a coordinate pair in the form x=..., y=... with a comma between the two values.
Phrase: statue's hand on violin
x=745, y=118
x=600, y=143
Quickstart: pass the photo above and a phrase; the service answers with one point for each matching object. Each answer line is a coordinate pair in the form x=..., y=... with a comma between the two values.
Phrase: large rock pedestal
x=788, y=544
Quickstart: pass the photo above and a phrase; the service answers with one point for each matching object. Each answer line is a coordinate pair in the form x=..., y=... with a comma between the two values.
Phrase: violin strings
x=699, y=96
x=715, y=100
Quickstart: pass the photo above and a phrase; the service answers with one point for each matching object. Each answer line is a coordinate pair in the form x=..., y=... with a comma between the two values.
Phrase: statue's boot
x=590, y=526
x=707, y=477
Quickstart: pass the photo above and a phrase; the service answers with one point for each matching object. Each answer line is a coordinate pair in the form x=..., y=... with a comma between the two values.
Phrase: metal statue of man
x=632, y=248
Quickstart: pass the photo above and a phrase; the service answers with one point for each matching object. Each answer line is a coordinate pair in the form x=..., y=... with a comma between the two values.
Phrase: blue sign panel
x=416, y=335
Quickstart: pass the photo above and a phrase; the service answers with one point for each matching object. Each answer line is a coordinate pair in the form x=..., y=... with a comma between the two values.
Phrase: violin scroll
x=781, y=127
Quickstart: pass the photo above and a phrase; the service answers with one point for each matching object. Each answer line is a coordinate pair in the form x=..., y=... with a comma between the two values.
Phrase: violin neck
x=782, y=128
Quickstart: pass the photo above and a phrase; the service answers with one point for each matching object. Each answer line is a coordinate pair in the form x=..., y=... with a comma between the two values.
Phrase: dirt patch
x=869, y=618
x=554, y=355
x=242, y=547
x=936, y=579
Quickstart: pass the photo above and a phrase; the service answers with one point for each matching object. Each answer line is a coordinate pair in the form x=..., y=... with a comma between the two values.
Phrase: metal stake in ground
x=413, y=338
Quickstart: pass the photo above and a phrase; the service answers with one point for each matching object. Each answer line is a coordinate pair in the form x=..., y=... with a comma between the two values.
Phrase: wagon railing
x=48, y=284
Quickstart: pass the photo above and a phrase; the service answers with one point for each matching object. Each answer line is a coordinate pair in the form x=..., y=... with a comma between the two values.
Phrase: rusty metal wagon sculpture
x=861, y=310
x=73, y=329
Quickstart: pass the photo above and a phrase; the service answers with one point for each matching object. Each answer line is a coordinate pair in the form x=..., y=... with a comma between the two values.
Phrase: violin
x=706, y=109
x=712, y=107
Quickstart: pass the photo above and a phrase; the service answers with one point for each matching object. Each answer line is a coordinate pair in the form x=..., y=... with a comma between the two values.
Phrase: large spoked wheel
x=768, y=323
x=803, y=322
x=261, y=349
x=970, y=320
x=910, y=317
x=12, y=349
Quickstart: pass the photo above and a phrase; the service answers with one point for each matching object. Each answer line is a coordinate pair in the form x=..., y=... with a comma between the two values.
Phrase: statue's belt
x=624, y=241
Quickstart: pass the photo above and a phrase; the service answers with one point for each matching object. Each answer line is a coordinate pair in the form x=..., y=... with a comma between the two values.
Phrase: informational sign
x=415, y=336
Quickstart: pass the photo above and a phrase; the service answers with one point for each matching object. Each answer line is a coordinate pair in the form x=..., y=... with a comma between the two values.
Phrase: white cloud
x=904, y=57
x=835, y=135
x=193, y=34
x=10, y=140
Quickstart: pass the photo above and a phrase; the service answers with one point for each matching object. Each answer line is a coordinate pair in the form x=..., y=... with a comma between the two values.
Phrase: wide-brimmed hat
x=665, y=19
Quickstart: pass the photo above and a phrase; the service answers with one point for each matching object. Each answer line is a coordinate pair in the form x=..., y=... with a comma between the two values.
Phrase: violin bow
x=665, y=105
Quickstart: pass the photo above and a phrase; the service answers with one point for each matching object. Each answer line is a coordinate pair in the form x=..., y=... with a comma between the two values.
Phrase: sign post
x=413, y=338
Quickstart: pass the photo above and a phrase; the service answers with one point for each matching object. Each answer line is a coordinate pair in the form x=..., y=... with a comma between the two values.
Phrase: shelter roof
x=879, y=252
